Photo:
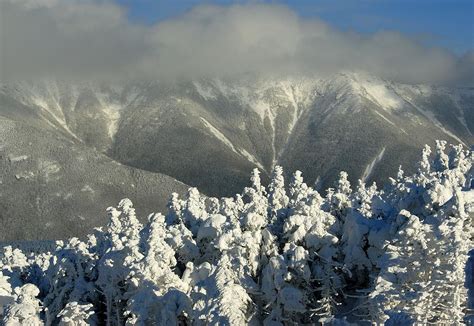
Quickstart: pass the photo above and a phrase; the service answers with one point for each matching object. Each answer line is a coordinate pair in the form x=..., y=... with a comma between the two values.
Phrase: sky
x=409, y=41
x=446, y=23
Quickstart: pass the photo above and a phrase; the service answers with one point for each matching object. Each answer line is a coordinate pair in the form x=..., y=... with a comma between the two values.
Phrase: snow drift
x=273, y=256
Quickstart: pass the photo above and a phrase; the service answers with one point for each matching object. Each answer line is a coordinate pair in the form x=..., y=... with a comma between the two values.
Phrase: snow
x=385, y=118
x=463, y=121
x=75, y=314
x=15, y=159
x=251, y=158
x=469, y=200
x=456, y=97
x=431, y=117
x=269, y=255
x=45, y=97
x=297, y=92
x=87, y=188
x=48, y=95
x=263, y=110
x=251, y=97
x=49, y=168
x=382, y=95
x=220, y=136
x=377, y=91
x=370, y=168
x=112, y=108
x=112, y=115
x=205, y=92
x=391, y=122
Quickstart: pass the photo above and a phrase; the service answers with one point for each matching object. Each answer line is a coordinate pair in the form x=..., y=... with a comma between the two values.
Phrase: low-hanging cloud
x=90, y=39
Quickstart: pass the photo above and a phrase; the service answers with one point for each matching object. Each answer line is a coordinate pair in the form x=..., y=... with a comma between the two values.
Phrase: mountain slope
x=210, y=133
x=320, y=126
x=52, y=187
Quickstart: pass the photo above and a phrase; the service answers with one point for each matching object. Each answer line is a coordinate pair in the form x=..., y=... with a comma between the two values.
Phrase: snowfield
x=276, y=255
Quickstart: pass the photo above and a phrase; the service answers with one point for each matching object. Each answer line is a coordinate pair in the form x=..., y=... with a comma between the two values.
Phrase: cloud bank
x=89, y=39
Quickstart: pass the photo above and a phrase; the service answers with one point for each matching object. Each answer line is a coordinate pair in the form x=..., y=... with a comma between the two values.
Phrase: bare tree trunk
x=109, y=310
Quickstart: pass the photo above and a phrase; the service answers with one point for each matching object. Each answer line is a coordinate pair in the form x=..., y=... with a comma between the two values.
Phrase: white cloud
x=93, y=39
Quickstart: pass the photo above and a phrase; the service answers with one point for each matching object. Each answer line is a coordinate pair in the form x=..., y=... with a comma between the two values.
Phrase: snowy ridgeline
x=273, y=256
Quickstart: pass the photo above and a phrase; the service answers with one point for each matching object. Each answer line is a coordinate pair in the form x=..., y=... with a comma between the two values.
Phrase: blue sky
x=446, y=23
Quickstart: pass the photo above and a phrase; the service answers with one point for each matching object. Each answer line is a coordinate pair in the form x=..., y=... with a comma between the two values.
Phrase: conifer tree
x=153, y=277
x=255, y=210
x=118, y=256
x=75, y=314
x=69, y=279
x=403, y=282
x=26, y=308
x=277, y=199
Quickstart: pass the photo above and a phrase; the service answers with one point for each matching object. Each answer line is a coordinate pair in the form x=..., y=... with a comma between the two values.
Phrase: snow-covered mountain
x=211, y=132
x=54, y=183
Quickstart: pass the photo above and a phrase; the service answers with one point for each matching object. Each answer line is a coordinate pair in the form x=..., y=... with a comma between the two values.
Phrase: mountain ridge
x=211, y=132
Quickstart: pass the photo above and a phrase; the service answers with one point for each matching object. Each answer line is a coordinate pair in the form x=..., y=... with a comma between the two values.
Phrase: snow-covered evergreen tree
x=406, y=269
x=339, y=199
x=277, y=198
x=68, y=276
x=256, y=209
x=298, y=190
x=26, y=308
x=226, y=302
x=150, y=298
x=118, y=257
x=76, y=314
x=394, y=255
x=6, y=292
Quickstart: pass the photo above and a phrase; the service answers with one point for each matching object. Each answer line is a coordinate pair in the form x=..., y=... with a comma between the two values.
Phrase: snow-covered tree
x=68, y=277
x=298, y=190
x=403, y=284
x=120, y=254
x=441, y=160
x=153, y=277
x=194, y=210
x=226, y=302
x=256, y=209
x=394, y=255
x=76, y=314
x=362, y=198
x=277, y=198
x=175, y=206
x=6, y=292
x=26, y=308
